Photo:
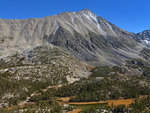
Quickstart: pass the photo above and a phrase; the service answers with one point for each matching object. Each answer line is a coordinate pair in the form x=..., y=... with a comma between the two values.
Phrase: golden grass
x=64, y=99
x=125, y=102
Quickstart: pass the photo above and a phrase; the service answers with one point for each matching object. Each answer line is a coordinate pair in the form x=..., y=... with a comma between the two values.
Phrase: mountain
x=85, y=35
x=76, y=55
x=145, y=37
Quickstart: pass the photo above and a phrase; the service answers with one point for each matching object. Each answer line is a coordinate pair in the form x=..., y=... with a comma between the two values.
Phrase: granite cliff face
x=85, y=35
x=145, y=37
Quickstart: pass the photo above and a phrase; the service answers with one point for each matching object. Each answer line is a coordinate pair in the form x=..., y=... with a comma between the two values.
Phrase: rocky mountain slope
x=85, y=35
x=21, y=75
x=62, y=50
x=145, y=37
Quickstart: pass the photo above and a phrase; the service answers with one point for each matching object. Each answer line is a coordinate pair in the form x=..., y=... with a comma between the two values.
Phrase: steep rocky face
x=145, y=37
x=85, y=35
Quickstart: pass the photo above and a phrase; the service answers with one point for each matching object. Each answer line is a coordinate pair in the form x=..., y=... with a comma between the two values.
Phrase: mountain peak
x=86, y=11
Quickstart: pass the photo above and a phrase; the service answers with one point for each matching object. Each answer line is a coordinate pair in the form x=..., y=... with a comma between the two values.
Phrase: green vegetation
x=102, y=85
x=103, y=90
x=139, y=64
x=42, y=106
x=21, y=79
x=18, y=89
x=103, y=71
x=20, y=76
x=119, y=109
x=141, y=106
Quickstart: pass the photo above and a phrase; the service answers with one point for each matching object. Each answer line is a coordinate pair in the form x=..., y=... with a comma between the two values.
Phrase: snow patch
x=147, y=42
x=94, y=19
x=110, y=27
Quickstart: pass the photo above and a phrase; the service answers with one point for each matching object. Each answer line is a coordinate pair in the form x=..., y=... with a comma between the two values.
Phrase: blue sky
x=131, y=15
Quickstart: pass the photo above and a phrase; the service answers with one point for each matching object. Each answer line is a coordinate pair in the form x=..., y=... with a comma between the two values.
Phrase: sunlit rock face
x=83, y=34
x=145, y=37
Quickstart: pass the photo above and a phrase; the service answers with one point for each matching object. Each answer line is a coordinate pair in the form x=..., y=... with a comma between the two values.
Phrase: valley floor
x=126, y=102
x=110, y=89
